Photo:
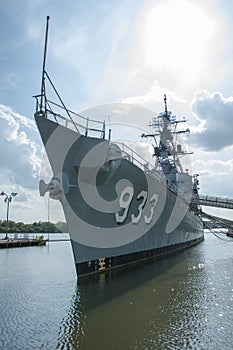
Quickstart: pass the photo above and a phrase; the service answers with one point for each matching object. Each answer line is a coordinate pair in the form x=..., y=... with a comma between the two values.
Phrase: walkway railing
x=211, y=201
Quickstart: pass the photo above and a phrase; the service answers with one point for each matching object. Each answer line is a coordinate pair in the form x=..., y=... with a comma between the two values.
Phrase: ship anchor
x=58, y=185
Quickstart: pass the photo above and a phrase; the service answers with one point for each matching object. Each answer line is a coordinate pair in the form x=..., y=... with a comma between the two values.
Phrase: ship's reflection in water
x=71, y=331
x=176, y=303
x=103, y=300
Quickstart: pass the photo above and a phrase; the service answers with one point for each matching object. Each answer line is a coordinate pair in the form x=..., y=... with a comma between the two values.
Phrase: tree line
x=35, y=227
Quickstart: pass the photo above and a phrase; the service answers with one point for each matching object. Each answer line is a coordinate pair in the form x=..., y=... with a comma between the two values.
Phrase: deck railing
x=131, y=155
x=75, y=121
x=94, y=128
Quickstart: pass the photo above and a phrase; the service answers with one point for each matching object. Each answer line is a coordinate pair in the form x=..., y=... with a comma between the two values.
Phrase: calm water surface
x=182, y=302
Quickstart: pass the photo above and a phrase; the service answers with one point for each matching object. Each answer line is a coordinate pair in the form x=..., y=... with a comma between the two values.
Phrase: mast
x=43, y=96
x=42, y=105
x=165, y=103
x=166, y=150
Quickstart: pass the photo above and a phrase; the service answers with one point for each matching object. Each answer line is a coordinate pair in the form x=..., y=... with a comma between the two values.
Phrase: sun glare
x=178, y=37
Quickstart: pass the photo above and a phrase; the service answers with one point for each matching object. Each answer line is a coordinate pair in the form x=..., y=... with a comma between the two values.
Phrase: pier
x=59, y=240
x=15, y=243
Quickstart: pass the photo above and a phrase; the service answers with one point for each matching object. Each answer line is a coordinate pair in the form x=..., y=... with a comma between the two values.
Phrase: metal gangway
x=211, y=201
x=218, y=221
x=217, y=202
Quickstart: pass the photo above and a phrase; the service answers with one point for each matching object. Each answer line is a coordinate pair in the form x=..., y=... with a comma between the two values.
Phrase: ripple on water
x=183, y=302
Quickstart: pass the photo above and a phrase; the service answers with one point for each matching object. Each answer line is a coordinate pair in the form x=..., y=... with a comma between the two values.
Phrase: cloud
x=215, y=176
x=20, y=154
x=215, y=115
x=155, y=93
x=20, y=166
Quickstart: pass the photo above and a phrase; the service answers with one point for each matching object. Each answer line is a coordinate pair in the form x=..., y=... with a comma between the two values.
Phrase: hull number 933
x=125, y=200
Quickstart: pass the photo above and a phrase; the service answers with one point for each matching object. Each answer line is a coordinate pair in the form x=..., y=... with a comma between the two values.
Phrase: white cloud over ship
x=20, y=166
x=20, y=155
x=214, y=113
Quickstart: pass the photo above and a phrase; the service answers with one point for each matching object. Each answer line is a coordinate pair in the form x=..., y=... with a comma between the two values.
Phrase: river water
x=181, y=302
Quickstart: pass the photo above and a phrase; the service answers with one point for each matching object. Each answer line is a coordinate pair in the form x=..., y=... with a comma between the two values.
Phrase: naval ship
x=120, y=209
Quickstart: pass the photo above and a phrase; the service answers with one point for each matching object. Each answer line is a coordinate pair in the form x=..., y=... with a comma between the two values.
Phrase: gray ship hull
x=117, y=212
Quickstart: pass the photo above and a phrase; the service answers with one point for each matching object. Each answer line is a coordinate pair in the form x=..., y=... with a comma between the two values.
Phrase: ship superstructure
x=168, y=151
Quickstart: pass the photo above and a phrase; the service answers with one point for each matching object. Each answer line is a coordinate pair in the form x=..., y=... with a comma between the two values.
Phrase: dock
x=15, y=243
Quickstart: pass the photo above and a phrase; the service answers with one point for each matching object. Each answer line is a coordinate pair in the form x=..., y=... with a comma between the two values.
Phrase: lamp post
x=8, y=199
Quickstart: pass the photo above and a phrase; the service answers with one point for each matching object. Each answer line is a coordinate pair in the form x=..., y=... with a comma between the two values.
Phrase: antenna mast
x=43, y=97
x=165, y=103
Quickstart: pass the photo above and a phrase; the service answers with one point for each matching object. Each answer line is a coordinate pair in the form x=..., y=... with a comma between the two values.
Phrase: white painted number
x=124, y=201
x=136, y=219
x=153, y=201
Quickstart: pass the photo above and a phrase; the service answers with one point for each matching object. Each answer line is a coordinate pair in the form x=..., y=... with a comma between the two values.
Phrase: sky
x=116, y=51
